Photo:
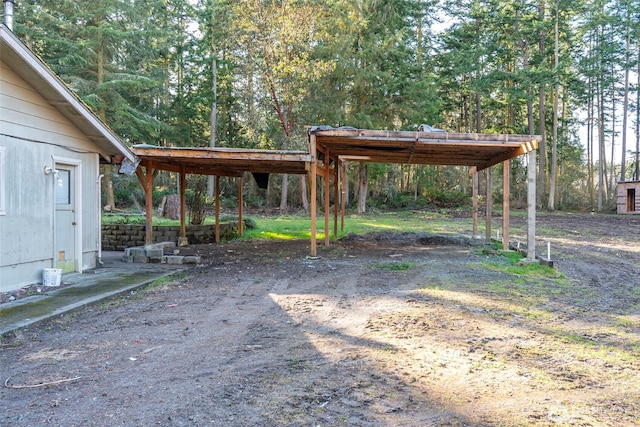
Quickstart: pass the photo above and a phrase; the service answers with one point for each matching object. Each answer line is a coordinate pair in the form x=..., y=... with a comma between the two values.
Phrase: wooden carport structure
x=216, y=161
x=477, y=151
x=329, y=147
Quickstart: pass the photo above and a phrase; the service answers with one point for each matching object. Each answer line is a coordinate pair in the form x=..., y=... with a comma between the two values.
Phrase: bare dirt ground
x=381, y=330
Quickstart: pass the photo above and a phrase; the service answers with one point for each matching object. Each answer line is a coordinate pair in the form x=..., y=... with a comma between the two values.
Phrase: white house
x=51, y=145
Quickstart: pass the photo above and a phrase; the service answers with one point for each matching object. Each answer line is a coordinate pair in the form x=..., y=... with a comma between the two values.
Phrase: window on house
x=3, y=180
x=63, y=187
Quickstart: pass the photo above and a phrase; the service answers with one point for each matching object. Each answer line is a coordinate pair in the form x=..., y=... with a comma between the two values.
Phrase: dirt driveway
x=382, y=330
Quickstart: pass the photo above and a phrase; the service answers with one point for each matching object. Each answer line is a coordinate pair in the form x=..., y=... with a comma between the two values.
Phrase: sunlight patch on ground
x=377, y=225
x=285, y=236
x=475, y=301
x=455, y=346
x=435, y=358
x=612, y=245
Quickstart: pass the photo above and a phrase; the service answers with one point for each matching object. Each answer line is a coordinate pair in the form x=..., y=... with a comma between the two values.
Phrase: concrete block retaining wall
x=119, y=237
x=155, y=253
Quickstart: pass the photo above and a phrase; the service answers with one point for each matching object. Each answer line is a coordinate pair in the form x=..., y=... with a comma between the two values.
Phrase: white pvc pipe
x=99, y=191
x=8, y=14
x=549, y=251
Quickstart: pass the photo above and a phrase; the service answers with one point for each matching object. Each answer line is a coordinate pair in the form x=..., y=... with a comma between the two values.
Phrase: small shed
x=51, y=146
x=629, y=197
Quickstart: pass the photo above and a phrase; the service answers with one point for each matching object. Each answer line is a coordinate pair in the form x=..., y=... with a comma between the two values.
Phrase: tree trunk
x=108, y=186
x=363, y=188
x=542, y=149
x=551, y=204
x=478, y=112
x=214, y=120
x=346, y=186
x=612, y=169
x=625, y=106
x=303, y=193
x=525, y=61
x=601, y=148
x=564, y=136
x=590, y=133
x=284, y=193
x=171, y=207
x=109, y=169
x=637, y=174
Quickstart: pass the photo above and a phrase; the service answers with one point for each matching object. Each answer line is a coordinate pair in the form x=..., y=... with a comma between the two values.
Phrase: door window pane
x=63, y=187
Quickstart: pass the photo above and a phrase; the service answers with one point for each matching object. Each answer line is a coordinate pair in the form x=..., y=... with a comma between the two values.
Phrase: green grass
x=521, y=268
x=281, y=228
x=513, y=263
x=167, y=280
x=299, y=227
x=395, y=265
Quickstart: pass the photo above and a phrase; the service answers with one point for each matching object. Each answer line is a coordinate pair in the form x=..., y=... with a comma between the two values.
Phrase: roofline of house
x=69, y=97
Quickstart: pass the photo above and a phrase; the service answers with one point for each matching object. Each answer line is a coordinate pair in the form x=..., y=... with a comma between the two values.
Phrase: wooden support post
x=489, y=206
x=506, y=194
x=149, y=204
x=344, y=194
x=142, y=178
x=182, y=240
x=326, y=198
x=217, y=190
x=312, y=188
x=531, y=205
x=336, y=197
x=474, y=201
x=240, y=208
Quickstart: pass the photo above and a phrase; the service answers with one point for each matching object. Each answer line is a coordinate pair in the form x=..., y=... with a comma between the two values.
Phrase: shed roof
x=222, y=161
x=479, y=151
x=30, y=67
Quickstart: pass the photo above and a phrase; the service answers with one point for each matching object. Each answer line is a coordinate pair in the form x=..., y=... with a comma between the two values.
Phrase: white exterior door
x=66, y=220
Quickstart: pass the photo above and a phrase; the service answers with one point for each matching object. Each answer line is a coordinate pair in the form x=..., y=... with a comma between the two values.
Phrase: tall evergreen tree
x=145, y=66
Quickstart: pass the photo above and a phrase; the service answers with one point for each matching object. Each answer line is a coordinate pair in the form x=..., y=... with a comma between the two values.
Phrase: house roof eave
x=30, y=67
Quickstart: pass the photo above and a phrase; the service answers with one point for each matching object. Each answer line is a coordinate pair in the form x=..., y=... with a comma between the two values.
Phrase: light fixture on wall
x=48, y=170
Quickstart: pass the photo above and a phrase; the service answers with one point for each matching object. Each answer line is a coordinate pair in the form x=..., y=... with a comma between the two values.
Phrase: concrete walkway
x=114, y=277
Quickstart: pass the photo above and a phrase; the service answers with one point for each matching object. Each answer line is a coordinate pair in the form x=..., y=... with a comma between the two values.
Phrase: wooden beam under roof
x=222, y=161
x=478, y=151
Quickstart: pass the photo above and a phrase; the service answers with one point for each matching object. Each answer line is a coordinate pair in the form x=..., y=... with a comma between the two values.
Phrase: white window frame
x=3, y=180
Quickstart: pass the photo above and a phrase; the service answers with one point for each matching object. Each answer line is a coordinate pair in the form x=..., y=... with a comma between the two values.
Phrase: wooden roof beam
x=221, y=153
x=522, y=149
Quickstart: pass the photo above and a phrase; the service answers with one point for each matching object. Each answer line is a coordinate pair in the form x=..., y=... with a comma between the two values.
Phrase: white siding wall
x=33, y=133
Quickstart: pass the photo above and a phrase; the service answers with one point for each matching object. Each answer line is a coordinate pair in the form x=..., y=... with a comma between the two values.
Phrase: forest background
x=166, y=72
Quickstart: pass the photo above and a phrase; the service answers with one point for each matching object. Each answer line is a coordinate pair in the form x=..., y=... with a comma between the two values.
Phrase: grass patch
x=160, y=282
x=513, y=263
x=395, y=265
x=571, y=337
x=299, y=227
x=625, y=322
x=282, y=228
x=529, y=269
